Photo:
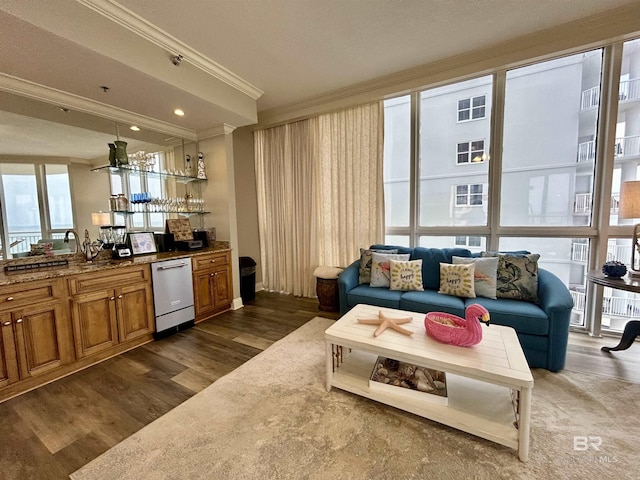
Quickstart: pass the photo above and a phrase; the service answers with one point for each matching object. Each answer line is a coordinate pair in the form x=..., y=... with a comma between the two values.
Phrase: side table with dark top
x=629, y=284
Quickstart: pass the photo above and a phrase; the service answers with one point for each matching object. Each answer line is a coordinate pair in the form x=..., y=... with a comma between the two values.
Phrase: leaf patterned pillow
x=406, y=275
x=517, y=276
x=457, y=280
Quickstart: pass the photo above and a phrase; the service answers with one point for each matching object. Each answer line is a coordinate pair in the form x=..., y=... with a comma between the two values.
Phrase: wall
x=90, y=194
x=220, y=197
x=246, y=198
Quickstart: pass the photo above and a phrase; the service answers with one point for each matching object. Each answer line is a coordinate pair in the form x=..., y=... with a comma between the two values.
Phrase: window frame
x=469, y=194
x=471, y=108
x=469, y=151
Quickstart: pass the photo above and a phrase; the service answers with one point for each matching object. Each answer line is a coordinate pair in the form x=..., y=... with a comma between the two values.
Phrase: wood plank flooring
x=52, y=431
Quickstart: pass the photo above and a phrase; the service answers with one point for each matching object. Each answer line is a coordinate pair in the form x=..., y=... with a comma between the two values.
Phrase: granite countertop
x=77, y=265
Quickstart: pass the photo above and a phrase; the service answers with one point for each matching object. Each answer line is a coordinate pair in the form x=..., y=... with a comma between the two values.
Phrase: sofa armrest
x=348, y=280
x=557, y=303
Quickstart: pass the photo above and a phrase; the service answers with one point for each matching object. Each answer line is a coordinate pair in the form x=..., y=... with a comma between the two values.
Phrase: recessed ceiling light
x=178, y=112
x=134, y=128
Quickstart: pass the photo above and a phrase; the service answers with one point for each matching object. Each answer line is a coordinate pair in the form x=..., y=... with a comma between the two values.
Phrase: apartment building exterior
x=548, y=166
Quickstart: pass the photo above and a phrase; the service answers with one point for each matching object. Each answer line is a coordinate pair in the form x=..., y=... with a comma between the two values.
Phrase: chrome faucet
x=89, y=248
x=75, y=235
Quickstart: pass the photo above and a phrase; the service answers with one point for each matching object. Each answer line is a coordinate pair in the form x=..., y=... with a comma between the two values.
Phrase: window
x=469, y=195
x=36, y=201
x=547, y=162
x=464, y=241
x=470, y=152
x=472, y=108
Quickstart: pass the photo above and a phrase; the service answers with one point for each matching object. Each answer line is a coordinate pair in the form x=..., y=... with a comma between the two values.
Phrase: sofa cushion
x=431, y=301
x=431, y=259
x=381, y=267
x=406, y=275
x=524, y=317
x=484, y=276
x=517, y=276
x=457, y=280
x=380, y=297
x=365, y=263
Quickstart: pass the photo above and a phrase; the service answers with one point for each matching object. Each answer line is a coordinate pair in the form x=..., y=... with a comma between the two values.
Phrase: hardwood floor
x=52, y=431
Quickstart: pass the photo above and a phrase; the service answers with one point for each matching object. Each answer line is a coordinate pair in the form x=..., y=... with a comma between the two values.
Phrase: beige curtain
x=320, y=194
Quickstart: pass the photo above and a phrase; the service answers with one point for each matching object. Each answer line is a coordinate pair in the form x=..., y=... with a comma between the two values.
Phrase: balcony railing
x=590, y=98
x=578, y=300
x=587, y=151
x=629, y=89
x=611, y=306
x=620, y=253
x=20, y=242
x=627, y=146
x=582, y=203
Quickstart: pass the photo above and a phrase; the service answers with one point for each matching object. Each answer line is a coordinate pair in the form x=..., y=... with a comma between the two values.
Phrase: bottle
x=188, y=169
x=122, y=202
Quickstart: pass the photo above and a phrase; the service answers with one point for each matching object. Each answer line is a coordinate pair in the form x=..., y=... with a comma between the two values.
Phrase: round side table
x=327, y=288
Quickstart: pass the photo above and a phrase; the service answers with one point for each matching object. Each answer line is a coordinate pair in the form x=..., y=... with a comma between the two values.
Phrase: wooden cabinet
x=212, y=285
x=110, y=308
x=35, y=330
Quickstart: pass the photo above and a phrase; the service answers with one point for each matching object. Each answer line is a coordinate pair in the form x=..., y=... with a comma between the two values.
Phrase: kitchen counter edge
x=79, y=267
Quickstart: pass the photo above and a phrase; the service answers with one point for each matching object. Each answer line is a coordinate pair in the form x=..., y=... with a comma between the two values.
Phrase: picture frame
x=142, y=242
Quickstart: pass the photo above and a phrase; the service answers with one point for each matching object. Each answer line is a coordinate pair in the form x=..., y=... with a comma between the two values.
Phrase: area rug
x=272, y=418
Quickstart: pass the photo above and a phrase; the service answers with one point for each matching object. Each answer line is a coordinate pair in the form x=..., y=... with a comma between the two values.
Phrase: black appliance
x=165, y=242
x=189, y=245
x=201, y=235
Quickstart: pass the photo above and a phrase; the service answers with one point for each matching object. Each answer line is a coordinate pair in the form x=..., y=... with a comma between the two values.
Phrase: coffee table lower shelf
x=476, y=407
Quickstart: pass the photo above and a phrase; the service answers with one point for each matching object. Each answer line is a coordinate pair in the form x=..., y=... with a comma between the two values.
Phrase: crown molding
x=135, y=23
x=53, y=96
x=591, y=32
x=221, y=129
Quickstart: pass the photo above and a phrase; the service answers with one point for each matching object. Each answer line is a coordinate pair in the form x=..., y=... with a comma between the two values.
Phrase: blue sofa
x=543, y=329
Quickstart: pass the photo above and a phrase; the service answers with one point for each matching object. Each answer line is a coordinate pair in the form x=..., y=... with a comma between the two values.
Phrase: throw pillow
x=457, y=280
x=365, y=263
x=380, y=267
x=517, y=276
x=485, y=275
x=406, y=275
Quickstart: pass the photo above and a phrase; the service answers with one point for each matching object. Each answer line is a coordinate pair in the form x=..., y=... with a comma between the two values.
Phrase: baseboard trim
x=237, y=303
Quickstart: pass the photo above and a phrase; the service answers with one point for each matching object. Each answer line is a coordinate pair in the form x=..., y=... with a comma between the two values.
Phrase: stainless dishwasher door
x=172, y=292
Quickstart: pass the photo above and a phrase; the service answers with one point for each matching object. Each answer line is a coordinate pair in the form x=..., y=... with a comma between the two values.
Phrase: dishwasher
x=172, y=296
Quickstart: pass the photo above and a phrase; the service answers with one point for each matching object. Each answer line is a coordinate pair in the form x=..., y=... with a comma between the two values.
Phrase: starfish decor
x=387, y=322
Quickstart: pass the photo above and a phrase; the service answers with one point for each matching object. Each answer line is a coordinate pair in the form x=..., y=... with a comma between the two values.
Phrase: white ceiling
x=241, y=57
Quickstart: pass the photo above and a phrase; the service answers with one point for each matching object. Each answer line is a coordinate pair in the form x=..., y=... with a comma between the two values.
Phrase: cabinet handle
x=119, y=296
x=19, y=320
x=9, y=299
x=213, y=261
x=112, y=298
x=6, y=324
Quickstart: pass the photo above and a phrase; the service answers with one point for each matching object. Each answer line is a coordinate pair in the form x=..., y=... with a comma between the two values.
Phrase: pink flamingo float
x=451, y=329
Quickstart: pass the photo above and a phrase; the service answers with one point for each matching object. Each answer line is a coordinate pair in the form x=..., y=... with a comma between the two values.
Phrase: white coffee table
x=489, y=385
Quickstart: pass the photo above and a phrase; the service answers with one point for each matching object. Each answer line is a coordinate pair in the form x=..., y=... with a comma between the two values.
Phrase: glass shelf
x=134, y=171
x=131, y=212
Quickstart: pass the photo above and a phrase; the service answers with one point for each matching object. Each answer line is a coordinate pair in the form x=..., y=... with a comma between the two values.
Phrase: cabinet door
x=222, y=287
x=203, y=297
x=94, y=322
x=8, y=357
x=43, y=338
x=135, y=311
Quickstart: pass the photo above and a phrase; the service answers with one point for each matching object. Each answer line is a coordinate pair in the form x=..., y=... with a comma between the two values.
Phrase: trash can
x=247, y=279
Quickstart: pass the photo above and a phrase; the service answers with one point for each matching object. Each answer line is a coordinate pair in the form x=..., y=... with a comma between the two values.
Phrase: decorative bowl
x=614, y=269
